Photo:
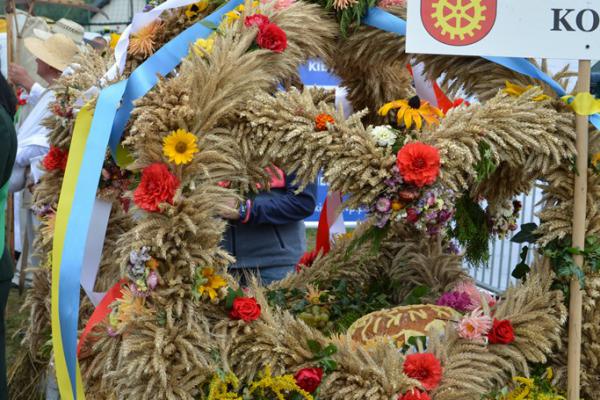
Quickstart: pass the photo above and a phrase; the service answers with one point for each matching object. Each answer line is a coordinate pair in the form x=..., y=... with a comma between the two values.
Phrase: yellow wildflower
x=180, y=146
x=202, y=46
x=596, y=159
x=114, y=39
x=413, y=110
x=278, y=385
x=219, y=388
x=212, y=283
x=516, y=91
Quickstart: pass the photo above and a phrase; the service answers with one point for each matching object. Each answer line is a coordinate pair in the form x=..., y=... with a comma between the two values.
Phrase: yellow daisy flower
x=194, y=10
x=413, y=110
x=516, y=91
x=231, y=17
x=114, y=39
x=203, y=44
x=213, y=282
x=180, y=146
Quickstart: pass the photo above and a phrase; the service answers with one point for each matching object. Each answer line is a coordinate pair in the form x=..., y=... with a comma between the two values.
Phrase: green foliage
x=322, y=355
x=350, y=17
x=486, y=166
x=526, y=234
x=415, y=295
x=522, y=268
x=471, y=230
x=374, y=234
x=231, y=296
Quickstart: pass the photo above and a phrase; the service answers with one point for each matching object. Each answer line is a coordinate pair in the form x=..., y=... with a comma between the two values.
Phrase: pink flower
x=383, y=204
x=475, y=326
x=152, y=280
x=474, y=294
x=279, y=4
x=390, y=3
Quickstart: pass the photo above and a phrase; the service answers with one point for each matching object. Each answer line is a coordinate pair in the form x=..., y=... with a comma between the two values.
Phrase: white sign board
x=560, y=29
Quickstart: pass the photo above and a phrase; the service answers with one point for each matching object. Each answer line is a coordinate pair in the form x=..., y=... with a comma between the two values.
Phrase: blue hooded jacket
x=273, y=234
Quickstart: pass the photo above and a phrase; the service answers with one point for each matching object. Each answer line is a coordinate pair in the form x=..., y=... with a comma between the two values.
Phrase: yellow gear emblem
x=459, y=18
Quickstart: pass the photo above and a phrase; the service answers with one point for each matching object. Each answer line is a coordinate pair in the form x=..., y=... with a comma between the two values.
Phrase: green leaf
x=209, y=25
x=314, y=346
x=471, y=230
x=526, y=234
x=123, y=157
x=415, y=295
x=522, y=269
x=231, y=296
x=329, y=350
x=328, y=365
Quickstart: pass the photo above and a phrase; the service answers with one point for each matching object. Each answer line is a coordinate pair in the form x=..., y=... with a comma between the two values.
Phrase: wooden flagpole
x=579, y=233
x=10, y=40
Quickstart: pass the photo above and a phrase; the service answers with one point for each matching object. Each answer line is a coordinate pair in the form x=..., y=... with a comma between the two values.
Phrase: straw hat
x=57, y=51
x=70, y=29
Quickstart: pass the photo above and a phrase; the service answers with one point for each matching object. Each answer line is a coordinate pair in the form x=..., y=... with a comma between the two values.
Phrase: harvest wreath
x=389, y=312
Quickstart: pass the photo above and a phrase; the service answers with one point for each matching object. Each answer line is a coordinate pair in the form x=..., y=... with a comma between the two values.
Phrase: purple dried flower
x=383, y=204
x=460, y=301
x=111, y=332
x=152, y=280
x=382, y=220
x=444, y=216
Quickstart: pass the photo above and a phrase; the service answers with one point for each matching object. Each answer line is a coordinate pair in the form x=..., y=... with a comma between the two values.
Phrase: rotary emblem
x=458, y=22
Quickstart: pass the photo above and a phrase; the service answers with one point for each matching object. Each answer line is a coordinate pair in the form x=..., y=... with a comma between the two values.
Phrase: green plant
x=471, y=230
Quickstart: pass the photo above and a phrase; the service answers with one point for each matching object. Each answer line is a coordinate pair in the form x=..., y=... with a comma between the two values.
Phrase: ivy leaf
x=314, y=346
x=526, y=234
x=329, y=350
x=522, y=269
x=329, y=365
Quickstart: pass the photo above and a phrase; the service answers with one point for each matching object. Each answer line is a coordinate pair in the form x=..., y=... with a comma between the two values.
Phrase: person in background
x=8, y=151
x=267, y=235
x=53, y=57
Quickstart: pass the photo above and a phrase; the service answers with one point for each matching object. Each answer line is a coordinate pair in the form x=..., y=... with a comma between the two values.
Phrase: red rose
x=158, y=185
x=271, y=37
x=425, y=368
x=55, y=159
x=419, y=164
x=412, y=216
x=502, y=332
x=309, y=379
x=245, y=308
x=256, y=20
x=414, y=394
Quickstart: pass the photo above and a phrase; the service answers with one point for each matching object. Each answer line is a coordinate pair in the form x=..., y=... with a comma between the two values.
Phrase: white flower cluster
x=384, y=135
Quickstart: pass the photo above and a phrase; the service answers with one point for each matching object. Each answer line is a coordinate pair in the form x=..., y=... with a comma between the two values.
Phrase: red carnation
x=256, y=20
x=55, y=159
x=309, y=379
x=419, y=163
x=425, y=368
x=158, y=185
x=502, y=332
x=307, y=260
x=245, y=308
x=271, y=37
x=414, y=394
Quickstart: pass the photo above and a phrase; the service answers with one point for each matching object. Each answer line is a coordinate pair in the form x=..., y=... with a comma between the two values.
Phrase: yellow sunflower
x=516, y=91
x=180, y=146
x=194, y=10
x=212, y=283
x=142, y=42
x=202, y=46
x=413, y=110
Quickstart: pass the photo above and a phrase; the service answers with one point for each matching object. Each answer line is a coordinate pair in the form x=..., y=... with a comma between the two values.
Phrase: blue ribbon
x=380, y=19
x=79, y=222
x=107, y=127
x=145, y=77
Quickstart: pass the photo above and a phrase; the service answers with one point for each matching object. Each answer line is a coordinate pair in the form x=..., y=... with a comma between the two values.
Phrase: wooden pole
x=579, y=214
x=10, y=41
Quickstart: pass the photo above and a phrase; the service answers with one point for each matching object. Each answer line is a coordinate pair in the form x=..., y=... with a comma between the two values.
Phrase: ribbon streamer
x=378, y=18
x=78, y=193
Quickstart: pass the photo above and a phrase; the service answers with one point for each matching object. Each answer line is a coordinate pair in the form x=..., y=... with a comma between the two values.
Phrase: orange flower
x=419, y=163
x=322, y=120
x=158, y=185
x=142, y=42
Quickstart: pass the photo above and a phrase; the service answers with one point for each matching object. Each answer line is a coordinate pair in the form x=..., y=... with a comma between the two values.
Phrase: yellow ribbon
x=65, y=202
x=583, y=103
